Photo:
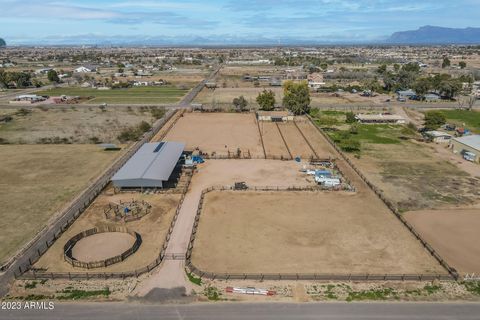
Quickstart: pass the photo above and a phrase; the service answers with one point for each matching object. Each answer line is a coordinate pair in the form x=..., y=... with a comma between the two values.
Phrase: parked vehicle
x=469, y=156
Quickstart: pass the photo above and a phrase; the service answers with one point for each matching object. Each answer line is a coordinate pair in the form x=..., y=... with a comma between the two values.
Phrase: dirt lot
x=295, y=141
x=453, y=233
x=102, y=246
x=152, y=228
x=305, y=232
x=319, y=144
x=218, y=132
x=274, y=145
x=37, y=180
x=77, y=124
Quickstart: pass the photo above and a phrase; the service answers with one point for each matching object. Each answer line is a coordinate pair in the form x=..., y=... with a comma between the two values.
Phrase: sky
x=97, y=21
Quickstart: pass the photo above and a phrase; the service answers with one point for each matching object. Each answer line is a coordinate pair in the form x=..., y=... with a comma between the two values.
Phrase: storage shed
x=275, y=116
x=150, y=166
x=467, y=144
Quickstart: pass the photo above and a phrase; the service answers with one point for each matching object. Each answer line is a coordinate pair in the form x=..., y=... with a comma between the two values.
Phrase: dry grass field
x=152, y=228
x=36, y=181
x=453, y=233
x=218, y=132
x=77, y=124
x=414, y=177
x=305, y=232
x=224, y=96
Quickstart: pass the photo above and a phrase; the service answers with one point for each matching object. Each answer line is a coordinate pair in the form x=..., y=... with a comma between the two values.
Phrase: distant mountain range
x=436, y=35
x=423, y=36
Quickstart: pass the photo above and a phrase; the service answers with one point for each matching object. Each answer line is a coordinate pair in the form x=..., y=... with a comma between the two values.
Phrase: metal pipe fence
x=452, y=271
x=297, y=276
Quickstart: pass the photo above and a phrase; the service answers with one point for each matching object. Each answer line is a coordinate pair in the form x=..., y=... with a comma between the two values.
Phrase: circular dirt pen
x=101, y=247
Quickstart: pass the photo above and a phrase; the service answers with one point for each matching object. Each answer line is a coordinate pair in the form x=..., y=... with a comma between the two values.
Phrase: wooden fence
x=39, y=274
x=47, y=237
x=67, y=248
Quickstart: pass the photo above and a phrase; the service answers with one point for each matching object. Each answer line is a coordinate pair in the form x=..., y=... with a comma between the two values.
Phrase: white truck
x=469, y=156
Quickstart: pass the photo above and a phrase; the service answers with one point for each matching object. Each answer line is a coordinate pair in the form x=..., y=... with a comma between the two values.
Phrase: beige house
x=467, y=146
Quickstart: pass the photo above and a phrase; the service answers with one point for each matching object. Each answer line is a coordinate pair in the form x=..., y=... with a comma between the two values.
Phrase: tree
x=2, y=43
x=296, y=97
x=434, y=120
x=445, y=63
x=350, y=117
x=266, y=100
x=421, y=86
x=240, y=103
x=462, y=64
x=144, y=126
x=52, y=76
x=382, y=69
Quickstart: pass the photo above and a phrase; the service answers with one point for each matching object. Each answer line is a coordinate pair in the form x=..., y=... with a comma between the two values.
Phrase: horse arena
x=252, y=232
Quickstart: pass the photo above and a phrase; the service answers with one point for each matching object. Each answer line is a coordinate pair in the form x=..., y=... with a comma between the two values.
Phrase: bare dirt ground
x=453, y=233
x=102, y=246
x=217, y=172
x=304, y=232
x=218, y=132
x=37, y=181
x=296, y=143
x=318, y=143
x=152, y=228
x=274, y=145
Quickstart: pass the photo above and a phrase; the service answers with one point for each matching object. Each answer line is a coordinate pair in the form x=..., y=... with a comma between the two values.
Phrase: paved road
x=263, y=311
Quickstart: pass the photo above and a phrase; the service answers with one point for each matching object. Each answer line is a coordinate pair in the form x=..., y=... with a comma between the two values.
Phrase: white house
x=84, y=69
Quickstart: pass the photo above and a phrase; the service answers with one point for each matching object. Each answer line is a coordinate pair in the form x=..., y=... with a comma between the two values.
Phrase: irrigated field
x=136, y=95
x=218, y=133
x=305, y=232
x=36, y=181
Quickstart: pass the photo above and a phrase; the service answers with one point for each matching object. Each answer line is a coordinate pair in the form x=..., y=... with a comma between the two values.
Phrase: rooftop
x=472, y=141
x=378, y=117
x=153, y=161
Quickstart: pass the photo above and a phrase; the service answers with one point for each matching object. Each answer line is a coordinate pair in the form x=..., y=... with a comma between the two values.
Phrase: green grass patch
x=473, y=287
x=212, y=293
x=36, y=297
x=135, y=95
x=73, y=294
x=193, y=279
x=31, y=285
x=381, y=294
x=471, y=119
x=431, y=289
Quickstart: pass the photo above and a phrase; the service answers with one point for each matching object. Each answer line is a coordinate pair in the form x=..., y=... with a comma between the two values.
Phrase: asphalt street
x=257, y=311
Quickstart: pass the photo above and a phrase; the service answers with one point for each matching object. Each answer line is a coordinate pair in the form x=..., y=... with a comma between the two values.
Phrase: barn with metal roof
x=150, y=166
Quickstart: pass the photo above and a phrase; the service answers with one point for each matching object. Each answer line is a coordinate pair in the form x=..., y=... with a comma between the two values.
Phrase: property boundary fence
x=452, y=271
x=47, y=237
x=289, y=276
x=67, y=248
x=39, y=274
